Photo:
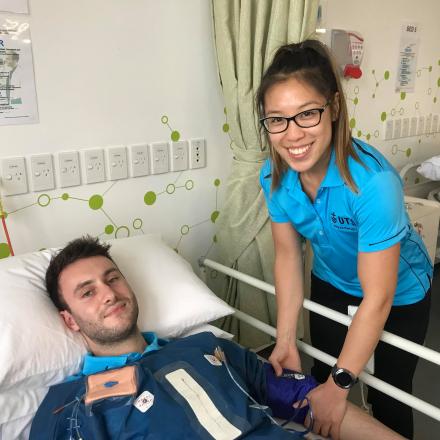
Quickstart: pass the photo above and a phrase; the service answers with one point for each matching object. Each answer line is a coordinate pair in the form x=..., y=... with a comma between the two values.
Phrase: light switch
x=94, y=165
x=435, y=127
x=42, y=172
x=397, y=128
x=388, y=129
x=69, y=171
x=413, y=126
x=117, y=163
x=159, y=156
x=405, y=128
x=14, y=178
x=139, y=162
x=420, y=125
x=428, y=122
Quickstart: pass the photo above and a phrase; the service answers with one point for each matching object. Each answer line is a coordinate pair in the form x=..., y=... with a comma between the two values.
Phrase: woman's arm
x=377, y=273
x=289, y=287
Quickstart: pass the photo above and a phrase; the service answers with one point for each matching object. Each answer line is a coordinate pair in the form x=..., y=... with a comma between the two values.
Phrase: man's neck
x=134, y=343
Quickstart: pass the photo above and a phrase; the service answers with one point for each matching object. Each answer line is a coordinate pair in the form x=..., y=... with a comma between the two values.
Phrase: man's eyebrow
x=88, y=282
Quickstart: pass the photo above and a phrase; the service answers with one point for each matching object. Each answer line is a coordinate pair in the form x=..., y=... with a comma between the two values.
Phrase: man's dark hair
x=75, y=250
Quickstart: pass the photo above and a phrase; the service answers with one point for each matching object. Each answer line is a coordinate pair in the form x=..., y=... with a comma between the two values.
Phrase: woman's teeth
x=299, y=150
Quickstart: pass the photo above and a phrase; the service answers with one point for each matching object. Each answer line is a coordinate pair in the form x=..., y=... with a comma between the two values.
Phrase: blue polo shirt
x=340, y=223
x=95, y=364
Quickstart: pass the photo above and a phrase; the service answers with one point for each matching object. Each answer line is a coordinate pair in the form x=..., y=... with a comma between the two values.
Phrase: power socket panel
x=69, y=169
x=139, y=160
x=43, y=177
x=94, y=165
x=117, y=163
x=179, y=155
x=197, y=153
x=160, y=158
x=14, y=177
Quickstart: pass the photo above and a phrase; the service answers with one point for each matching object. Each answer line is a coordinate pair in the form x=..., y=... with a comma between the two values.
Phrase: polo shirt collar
x=95, y=364
x=333, y=176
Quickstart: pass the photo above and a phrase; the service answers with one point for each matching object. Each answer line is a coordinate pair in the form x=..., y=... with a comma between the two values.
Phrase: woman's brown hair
x=311, y=63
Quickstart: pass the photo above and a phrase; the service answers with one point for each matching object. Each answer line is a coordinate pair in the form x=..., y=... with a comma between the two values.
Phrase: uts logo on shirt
x=343, y=223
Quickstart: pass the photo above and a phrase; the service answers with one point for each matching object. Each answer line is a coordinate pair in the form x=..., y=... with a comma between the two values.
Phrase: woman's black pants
x=391, y=364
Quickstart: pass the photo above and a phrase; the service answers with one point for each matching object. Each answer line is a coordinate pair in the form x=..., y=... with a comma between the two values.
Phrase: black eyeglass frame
x=293, y=118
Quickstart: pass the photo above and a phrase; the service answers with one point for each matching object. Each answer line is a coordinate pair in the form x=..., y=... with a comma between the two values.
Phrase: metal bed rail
x=402, y=343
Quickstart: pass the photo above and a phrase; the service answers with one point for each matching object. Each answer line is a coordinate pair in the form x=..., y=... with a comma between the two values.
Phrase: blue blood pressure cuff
x=283, y=391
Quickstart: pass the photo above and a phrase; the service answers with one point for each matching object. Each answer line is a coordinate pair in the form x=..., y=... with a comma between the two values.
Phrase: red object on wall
x=352, y=71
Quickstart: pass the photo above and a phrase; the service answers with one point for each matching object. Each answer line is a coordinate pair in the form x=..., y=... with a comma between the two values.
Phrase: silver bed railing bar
x=402, y=343
x=402, y=396
x=390, y=338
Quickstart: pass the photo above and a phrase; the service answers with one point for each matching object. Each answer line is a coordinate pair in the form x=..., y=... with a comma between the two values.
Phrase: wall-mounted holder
x=348, y=49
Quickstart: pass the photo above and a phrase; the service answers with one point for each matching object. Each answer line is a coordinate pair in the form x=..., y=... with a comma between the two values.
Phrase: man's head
x=91, y=294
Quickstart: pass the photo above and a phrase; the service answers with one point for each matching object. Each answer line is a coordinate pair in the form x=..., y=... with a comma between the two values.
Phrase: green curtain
x=246, y=35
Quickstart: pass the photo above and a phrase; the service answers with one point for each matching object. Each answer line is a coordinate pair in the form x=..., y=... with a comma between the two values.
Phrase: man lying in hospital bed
x=137, y=384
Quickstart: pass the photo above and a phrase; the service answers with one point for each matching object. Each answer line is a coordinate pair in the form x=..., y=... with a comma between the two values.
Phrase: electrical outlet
x=69, y=171
x=413, y=126
x=397, y=128
x=428, y=123
x=405, y=127
x=117, y=163
x=179, y=156
x=42, y=172
x=388, y=129
x=435, y=127
x=94, y=165
x=421, y=125
x=197, y=153
x=159, y=155
x=139, y=162
x=14, y=178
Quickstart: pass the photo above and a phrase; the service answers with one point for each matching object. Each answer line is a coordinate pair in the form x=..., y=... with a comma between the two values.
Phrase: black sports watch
x=343, y=378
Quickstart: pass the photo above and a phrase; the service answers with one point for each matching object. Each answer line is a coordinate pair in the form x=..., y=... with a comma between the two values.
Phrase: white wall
x=106, y=71
x=379, y=23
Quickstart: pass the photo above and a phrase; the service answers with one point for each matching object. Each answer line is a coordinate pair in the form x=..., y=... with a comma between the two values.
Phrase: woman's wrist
x=286, y=337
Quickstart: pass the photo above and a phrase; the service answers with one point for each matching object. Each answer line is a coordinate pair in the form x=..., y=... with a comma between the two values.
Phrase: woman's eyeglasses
x=305, y=119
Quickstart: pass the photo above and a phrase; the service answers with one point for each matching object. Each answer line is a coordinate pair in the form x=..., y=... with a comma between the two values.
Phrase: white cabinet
x=424, y=215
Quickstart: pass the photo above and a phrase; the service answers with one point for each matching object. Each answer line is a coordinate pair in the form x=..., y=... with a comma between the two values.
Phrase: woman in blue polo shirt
x=343, y=196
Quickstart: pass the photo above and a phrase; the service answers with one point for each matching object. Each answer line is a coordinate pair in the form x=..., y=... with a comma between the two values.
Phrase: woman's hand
x=285, y=355
x=328, y=403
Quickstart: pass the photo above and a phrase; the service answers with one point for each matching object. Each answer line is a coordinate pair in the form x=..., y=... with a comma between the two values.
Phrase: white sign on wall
x=15, y=6
x=408, y=50
x=18, y=101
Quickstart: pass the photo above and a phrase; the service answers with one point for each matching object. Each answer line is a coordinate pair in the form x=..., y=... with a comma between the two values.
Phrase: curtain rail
x=390, y=338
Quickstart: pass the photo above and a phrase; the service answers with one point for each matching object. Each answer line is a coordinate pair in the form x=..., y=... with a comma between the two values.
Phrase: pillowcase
x=36, y=348
x=430, y=168
x=172, y=298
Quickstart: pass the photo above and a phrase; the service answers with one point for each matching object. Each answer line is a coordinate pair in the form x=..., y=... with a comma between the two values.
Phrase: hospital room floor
x=426, y=380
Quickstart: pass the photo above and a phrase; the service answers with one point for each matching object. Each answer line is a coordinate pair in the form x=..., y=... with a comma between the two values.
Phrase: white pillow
x=37, y=350
x=430, y=168
x=172, y=299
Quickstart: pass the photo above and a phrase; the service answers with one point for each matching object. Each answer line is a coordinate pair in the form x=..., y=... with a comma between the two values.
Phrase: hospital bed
x=37, y=350
x=422, y=195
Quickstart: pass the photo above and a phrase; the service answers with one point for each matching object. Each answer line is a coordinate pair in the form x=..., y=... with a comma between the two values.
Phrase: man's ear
x=335, y=107
x=69, y=320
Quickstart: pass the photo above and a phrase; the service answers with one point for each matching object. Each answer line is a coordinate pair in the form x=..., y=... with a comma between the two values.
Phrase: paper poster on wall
x=18, y=100
x=16, y=6
x=408, y=50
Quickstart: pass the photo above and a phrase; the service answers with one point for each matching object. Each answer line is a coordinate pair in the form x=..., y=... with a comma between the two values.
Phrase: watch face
x=344, y=379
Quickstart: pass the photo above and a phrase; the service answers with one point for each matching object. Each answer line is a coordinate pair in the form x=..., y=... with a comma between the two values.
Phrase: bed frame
x=404, y=344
